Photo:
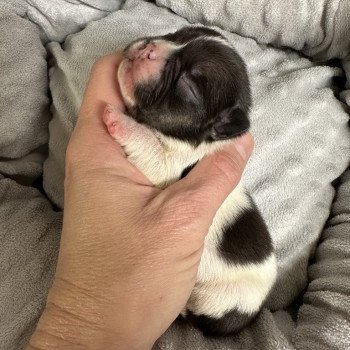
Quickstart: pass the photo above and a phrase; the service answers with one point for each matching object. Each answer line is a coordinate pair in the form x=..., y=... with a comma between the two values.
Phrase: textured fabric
x=58, y=18
x=315, y=27
x=24, y=104
x=302, y=145
x=29, y=227
x=29, y=236
x=323, y=320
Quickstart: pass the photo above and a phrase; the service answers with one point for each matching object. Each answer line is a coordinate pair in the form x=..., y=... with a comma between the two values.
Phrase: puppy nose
x=146, y=51
x=142, y=51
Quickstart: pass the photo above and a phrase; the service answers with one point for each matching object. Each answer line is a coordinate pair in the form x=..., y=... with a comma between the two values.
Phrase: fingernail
x=244, y=146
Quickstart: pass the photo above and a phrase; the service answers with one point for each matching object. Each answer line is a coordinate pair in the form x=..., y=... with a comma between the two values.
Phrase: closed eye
x=188, y=88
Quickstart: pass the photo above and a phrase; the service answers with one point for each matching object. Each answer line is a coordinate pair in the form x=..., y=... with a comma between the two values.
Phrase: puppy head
x=190, y=85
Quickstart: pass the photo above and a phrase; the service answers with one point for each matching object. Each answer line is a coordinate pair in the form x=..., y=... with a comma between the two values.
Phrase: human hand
x=129, y=251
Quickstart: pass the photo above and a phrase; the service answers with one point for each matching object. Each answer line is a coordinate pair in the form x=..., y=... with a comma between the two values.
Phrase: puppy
x=187, y=94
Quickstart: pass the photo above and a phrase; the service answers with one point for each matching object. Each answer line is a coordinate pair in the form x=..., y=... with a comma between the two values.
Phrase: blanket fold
x=301, y=136
x=323, y=320
x=29, y=227
x=59, y=18
x=24, y=104
x=29, y=236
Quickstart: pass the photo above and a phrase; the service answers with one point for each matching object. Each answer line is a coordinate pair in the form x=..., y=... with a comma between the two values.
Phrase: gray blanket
x=302, y=145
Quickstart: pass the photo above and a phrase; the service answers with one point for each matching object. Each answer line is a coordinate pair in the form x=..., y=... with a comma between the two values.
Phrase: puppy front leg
x=140, y=143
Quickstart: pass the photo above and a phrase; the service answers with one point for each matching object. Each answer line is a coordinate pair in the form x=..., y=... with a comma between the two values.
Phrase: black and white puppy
x=187, y=94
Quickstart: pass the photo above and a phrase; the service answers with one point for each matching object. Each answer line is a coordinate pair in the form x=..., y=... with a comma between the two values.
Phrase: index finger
x=102, y=87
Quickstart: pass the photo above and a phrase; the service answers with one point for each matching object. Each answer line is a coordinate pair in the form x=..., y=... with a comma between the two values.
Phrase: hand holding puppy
x=129, y=251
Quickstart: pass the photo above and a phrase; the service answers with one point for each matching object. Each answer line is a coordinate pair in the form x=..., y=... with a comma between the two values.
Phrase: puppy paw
x=112, y=120
x=119, y=126
x=133, y=136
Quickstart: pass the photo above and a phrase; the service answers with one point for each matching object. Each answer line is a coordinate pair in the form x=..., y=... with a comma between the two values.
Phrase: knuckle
x=180, y=210
x=230, y=168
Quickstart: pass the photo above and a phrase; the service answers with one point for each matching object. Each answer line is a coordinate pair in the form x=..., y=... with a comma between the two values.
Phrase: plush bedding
x=299, y=121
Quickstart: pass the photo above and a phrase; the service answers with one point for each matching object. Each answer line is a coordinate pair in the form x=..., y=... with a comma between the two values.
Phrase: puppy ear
x=230, y=122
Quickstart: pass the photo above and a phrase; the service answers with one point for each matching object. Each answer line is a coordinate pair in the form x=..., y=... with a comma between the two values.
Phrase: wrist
x=72, y=321
x=57, y=329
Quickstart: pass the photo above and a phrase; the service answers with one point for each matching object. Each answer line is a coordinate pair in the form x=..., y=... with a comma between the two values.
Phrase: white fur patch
x=162, y=158
x=170, y=46
x=221, y=287
x=220, y=40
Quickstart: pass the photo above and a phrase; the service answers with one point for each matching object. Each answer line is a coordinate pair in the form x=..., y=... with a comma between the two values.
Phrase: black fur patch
x=231, y=122
x=203, y=93
x=246, y=239
x=187, y=170
x=231, y=322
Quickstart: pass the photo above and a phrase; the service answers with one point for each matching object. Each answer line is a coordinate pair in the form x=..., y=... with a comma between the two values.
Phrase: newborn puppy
x=187, y=94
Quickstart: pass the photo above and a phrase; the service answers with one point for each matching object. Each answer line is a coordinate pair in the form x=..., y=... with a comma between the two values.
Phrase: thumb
x=214, y=177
